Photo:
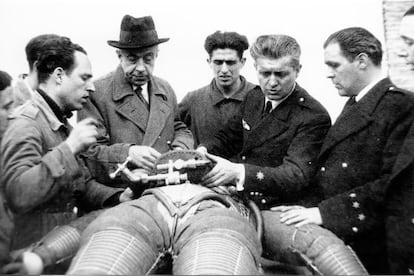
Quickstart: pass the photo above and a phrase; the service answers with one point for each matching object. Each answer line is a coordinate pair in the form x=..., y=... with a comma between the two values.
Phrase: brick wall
x=397, y=69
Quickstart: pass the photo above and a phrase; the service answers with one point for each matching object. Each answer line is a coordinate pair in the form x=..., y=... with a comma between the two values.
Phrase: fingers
x=284, y=208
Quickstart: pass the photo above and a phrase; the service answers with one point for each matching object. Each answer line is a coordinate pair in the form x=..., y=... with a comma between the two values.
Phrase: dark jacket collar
x=357, y=117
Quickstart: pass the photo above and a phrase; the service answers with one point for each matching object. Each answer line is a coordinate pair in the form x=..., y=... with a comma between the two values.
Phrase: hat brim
x=118, y=45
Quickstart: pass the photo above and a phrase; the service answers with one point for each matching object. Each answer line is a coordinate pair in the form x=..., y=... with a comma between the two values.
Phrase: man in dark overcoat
x=399, y=220
x=357, y=156
x=136, y=111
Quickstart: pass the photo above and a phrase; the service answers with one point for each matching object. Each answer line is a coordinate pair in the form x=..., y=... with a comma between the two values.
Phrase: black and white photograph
x=266, y=137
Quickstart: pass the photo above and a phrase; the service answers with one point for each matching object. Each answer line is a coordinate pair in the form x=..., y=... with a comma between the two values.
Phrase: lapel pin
x=245, y=125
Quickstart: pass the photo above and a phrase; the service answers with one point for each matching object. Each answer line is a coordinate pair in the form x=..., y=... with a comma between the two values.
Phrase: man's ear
x=299, y=68
x=243, y=60
x=362, y=60
x=118, y=53
x=58, y=74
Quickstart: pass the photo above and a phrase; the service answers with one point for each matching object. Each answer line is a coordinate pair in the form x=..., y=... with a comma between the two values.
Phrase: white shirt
x=144, y=91
x=276, y=103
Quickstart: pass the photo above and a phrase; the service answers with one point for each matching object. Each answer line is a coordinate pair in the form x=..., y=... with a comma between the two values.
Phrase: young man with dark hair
x=207, y=109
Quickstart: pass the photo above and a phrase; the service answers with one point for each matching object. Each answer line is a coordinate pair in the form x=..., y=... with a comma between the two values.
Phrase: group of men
x=324, y=191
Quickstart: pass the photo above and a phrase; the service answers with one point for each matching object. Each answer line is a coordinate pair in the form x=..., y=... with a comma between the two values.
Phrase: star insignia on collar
x=355, y=205
x=260, y=175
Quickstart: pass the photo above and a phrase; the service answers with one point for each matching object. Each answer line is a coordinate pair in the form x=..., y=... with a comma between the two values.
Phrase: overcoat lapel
x=356, y=118
x=159, y=112
x=127, y=103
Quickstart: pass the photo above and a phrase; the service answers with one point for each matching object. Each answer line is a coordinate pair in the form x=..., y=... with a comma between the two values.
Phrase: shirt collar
x=278, y=102
x=144, y=91
x=367, y=88
x=217, y=96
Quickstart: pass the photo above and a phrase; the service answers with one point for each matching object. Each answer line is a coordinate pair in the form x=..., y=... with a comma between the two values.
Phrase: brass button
x=355, y=229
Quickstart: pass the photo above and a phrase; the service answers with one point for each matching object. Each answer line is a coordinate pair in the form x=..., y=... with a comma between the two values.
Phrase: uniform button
x=252, y=193
x=310, y=162
x=159, y=137
x=243, y=157
x=301, y=99
x=355, y=229
x=323, y=169
x=412, y=220
x=263, y=201
x=260, y=194
x=75, y=210
x=256, y=193
x=344, y=165
x=391, y=88
x=352, y=195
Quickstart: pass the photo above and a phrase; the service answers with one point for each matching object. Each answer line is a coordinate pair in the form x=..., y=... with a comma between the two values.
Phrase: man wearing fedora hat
x=136, y=111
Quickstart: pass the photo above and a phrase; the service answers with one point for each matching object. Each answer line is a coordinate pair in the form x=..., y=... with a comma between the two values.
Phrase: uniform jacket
x=400, y=210
x=279, y=152
x=40, y=175
x=124, y=121
x=206, y=109
x=356, y=160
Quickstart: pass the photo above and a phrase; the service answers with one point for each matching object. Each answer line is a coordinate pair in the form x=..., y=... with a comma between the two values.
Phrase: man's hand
x=223, y=173
x=83, y=134
x=143, y=156
x=126, y=195
x=299, y=215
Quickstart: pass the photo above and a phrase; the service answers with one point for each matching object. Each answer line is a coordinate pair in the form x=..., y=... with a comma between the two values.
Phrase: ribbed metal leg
x=59, y=244
x=113, y=251
x=339, y=259
x=215, y=254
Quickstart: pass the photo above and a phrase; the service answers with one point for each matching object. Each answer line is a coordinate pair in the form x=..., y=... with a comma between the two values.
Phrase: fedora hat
x=137, y=33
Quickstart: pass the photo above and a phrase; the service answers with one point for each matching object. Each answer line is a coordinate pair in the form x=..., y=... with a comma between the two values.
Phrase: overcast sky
x=182, y=60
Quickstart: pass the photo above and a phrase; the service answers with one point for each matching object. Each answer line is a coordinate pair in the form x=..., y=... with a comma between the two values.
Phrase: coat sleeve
x=228, y=141
x=361, y=208
x=299, y=164
x=97, y=195
x=107, y=154
x=30, y=177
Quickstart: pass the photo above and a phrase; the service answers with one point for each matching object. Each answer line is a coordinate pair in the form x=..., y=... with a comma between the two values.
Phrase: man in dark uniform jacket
x=358, y=153
x=400, y=197
x=275, y=143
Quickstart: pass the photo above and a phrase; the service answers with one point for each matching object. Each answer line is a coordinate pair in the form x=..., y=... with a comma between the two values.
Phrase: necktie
x=267, y=109
x=351, y=101
x=138, y=91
